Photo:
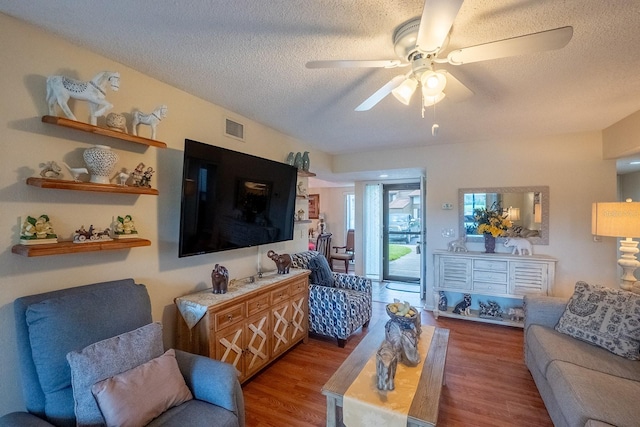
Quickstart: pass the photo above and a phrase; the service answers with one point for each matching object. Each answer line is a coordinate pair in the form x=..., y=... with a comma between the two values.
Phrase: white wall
x=571, y=165
x=26, y=142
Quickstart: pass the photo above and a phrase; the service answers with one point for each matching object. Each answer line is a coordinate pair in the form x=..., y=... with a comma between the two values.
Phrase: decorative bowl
x=403, y=319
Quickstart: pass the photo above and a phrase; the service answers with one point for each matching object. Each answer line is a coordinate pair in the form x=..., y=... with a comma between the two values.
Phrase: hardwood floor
x=487, y=383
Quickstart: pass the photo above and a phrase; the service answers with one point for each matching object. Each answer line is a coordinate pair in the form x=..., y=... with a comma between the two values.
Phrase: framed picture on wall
x=314, y=206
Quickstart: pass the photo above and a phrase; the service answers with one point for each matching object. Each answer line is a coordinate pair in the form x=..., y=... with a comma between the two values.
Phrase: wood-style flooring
x=487, y=383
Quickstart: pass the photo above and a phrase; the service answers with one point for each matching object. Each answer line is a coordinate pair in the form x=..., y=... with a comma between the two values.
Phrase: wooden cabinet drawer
x=299, y=287
x=490, y=288
x=229, y=317
x=490, y=276
x=257, y=304
x=280, y=295
x=483, y=264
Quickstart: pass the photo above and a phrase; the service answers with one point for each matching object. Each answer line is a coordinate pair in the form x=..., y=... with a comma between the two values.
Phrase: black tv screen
x=233, y=200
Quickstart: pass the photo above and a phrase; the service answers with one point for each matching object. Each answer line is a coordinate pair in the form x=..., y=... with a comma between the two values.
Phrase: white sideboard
x=490, y=275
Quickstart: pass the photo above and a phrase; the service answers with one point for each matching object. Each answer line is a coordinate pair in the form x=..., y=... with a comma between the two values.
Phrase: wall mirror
x=527, y=207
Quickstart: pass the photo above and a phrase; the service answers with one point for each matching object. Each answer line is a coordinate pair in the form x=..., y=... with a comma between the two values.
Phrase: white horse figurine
x=148, y=119
x=61, y=88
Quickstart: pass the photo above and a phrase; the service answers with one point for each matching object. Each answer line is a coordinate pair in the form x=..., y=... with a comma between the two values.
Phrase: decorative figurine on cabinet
x=220, y=279
x=61, y=88
x=36, y=231
x=301, y=191
x=136, y=175
x=520, y=245
x=283, y=262
x=442, y=301
x=151, y=119
x=289, y=159
x=516, y=314
x=464, y=306
x=76, y=172
x=50, y=170
x=297, y=161
x=305, y=161
x=457, y=245
x=490, y=310
x=386, y=366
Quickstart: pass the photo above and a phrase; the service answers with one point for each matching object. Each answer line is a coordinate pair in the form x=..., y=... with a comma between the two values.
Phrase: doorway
x=402, y=228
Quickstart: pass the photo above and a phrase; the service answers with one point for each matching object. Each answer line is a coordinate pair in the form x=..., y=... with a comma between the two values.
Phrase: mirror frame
x=543, y=239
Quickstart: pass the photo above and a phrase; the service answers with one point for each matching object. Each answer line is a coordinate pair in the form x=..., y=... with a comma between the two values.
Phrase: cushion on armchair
x=105, y=359
x=321, y=273
x=137, y=396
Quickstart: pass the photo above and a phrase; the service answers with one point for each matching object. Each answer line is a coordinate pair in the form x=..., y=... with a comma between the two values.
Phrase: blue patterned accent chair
x=339, y=303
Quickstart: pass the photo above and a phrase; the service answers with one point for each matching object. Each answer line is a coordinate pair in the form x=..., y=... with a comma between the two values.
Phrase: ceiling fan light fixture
x=433, y=83
x=405, y=91
x=430, y=100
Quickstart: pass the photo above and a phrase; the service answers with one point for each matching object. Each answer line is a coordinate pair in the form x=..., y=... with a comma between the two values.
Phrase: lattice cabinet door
x=280, y=319
x=298, y=324
x=256, y=349
x=230, y=346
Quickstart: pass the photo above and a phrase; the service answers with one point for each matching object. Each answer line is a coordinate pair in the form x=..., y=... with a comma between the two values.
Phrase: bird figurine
x=75, y=172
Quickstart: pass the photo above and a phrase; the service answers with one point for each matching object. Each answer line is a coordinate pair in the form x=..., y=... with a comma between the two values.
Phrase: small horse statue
x=61, y=88
x=148, y=119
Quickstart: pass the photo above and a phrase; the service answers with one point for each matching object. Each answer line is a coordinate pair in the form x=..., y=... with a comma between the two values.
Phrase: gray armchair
x=52, y=324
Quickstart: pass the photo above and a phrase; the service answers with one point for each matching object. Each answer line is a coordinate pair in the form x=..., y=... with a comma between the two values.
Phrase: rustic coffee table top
x=424, y=408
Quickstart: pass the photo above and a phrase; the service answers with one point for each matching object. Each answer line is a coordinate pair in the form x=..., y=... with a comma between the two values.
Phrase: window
x=350, y=210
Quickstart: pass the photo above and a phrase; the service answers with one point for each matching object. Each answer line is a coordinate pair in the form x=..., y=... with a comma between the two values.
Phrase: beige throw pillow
x=137, y=396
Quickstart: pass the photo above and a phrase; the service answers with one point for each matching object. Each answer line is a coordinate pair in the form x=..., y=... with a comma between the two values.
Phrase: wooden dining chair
x=323, y=245
x=345, y=253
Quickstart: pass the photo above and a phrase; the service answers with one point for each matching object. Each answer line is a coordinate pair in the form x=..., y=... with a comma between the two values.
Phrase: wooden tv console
x=251, y=324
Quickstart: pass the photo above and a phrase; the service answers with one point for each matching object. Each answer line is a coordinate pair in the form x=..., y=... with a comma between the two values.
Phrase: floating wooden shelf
x=303, y=221
x=61, y=184
x=86, y=127
x=305, y=173
x=475, y=316
x=69, y=247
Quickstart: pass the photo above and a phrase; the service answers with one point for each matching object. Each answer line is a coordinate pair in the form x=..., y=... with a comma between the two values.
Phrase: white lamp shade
x=404, y=92
x=619, y=219
x=514, y=214
x=433, y=83
x=430, y=100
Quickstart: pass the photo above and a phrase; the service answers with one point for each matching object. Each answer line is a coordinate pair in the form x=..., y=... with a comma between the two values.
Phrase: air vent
x=234, y=129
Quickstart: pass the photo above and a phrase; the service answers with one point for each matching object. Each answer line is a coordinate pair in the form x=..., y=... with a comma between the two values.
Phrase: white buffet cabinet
x=490, y=276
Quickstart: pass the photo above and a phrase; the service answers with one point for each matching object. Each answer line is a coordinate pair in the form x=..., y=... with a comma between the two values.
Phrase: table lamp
x=620, y=219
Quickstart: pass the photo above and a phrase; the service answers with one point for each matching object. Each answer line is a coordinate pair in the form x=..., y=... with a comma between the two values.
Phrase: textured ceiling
x=249, y=57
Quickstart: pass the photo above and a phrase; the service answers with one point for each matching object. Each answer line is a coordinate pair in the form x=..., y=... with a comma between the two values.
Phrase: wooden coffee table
x=424, y=407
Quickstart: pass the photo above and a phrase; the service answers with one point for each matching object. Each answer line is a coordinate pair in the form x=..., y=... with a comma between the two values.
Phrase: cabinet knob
x=229, y=316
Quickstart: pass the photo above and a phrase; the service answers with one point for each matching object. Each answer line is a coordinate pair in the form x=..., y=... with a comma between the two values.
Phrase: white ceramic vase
x=101, y=162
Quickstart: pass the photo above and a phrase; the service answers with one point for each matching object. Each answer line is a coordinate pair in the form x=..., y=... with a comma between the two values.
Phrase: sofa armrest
x=543, y=310
x=349, y=281
x=212, y=381
x=22, y=419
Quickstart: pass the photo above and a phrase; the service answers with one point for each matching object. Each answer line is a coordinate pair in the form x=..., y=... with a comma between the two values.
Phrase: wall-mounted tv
x=233, y=200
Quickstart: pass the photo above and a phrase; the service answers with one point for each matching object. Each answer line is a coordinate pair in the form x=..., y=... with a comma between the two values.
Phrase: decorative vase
x=305, y=161
x=489, y=243
x=290, y=158
x=297, y=161
x=101, y=162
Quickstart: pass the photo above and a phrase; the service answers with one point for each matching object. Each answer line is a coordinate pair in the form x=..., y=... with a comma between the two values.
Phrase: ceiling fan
x=420, y=43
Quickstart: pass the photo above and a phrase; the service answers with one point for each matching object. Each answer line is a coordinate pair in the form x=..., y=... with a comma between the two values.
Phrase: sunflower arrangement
x=492, y=221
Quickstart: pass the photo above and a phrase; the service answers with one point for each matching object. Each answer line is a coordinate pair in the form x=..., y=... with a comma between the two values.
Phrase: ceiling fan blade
x=379, y=95
x=391, y=63
x=455, y=89
x=536, y=42
x=436, y=21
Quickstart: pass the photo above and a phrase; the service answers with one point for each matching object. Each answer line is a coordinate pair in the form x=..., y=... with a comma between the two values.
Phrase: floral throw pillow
x=606, y=317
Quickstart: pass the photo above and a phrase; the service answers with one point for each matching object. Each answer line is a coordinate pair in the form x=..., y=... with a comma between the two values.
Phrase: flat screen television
x=233, y=200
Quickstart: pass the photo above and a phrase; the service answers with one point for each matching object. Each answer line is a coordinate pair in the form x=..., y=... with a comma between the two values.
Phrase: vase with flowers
x=491, y=223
